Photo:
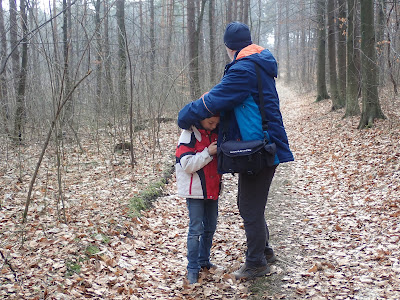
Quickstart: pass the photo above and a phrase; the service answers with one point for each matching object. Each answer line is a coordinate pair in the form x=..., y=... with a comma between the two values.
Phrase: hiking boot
x=192, y=277
x=270, y=255
x=246, y=272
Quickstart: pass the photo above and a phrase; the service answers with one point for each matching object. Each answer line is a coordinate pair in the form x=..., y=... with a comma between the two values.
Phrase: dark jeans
x=203, y=215
x=252, y=199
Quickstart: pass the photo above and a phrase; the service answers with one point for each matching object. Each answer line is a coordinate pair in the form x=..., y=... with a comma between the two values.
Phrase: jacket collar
x=247, y=51
x=197, y=133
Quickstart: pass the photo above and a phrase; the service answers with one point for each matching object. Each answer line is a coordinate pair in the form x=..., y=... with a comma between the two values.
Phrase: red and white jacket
x=196, y=171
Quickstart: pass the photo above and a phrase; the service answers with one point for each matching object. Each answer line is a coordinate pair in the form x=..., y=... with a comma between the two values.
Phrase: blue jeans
x=203, y=215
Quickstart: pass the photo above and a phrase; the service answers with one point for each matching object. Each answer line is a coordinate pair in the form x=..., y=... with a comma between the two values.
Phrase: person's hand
x=212, y=149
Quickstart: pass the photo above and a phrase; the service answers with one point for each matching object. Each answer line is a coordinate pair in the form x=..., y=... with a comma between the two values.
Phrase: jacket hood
x=263, y=57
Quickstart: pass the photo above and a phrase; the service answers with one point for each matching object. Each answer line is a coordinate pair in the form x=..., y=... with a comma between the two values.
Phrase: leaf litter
x=333, y=216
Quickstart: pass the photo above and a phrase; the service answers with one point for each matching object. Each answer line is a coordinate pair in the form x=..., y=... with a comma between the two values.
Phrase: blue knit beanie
x=237, y=36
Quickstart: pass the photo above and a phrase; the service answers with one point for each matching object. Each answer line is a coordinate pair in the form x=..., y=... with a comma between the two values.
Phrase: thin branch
x=53, y=123
x=28, y=34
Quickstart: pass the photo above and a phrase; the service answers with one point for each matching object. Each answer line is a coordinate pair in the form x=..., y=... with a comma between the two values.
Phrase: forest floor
x=333, y=216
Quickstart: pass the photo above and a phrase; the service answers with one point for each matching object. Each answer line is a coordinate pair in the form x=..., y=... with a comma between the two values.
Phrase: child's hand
x=212, y=149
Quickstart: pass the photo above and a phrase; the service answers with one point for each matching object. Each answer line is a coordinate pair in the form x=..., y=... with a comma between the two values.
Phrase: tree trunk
x=336, y=100
x=341, y=51
x=229, y=17
x=288, y=78
x=107, y=56
x=277, y=32
x=389, y=46
x=14, y=42
x=211, y=20
x=4, y=102
x=321, y=80
x=246, y=11
x=120, y=13
x=20, y=113
x=371, y=108
x=380, y=40
x=191, y=27
x=193, y=37
x=352, y=107
x=152, y=44
x=99, y=56
x=303, y=51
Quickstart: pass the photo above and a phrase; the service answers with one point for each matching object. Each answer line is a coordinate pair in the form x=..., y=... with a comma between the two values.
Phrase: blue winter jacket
x=236, y=99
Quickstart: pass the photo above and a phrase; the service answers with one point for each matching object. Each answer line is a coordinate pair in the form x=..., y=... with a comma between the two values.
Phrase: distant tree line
x=113, y=64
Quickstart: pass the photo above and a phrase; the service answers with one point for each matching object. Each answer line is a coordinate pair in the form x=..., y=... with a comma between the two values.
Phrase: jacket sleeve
x=193, y=163
x=233, y=89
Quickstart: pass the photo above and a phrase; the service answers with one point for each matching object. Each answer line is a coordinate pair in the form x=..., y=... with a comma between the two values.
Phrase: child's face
x=210, y=123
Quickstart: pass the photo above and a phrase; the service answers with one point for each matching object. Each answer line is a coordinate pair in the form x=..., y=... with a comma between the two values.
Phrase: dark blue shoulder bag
x=248, y=157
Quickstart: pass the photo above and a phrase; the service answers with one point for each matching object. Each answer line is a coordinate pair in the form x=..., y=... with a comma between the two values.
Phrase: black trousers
x=252, y=199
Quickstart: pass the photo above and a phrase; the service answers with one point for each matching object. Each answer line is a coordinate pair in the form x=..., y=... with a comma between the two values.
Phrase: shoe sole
x=259, y=274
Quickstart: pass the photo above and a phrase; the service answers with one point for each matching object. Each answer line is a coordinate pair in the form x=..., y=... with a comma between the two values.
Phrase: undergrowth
x=145, y=198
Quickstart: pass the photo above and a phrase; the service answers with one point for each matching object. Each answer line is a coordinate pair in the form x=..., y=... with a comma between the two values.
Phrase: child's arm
x=189, y=160
x=193, y=162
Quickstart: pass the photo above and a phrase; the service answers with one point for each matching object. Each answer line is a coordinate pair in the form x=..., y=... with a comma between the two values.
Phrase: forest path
x=333, y=216
x=324, y=212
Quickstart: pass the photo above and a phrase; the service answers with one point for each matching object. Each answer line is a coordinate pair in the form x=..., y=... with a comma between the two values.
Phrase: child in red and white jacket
x=199, y=182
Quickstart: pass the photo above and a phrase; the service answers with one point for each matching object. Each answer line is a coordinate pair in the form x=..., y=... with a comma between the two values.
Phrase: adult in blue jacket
x=236, y=99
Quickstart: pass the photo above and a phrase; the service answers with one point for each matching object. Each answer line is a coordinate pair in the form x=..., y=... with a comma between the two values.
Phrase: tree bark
x=341, y=50
x=20, y=113
x=193, y=37
x=15, y=57
x=152, y=43
x=352, y=107
x=107, y=55
x=336, y=100
x=380, y=39
x=246, y=11
x=211, y=20
x=69, y=109
x=99, y=56
x=303, y=51
x=288, y=77
x=371, y=108
x=4, y=102
x=120, y=13
x=277, y=32
x=321, y=80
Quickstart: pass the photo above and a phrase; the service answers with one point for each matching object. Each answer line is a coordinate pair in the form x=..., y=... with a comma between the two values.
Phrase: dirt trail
x=229, y=242
x=333, y=225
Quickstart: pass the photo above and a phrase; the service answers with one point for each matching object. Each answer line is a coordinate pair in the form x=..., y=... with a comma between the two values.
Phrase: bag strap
x=264, y=121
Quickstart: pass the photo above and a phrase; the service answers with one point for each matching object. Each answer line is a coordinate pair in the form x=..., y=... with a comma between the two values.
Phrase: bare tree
x=211, y=25
x=321, y=80
x=352, y=107
x=288, y=77
x=336, y=100
x=371, y=108
x=341, y=49
x=120, y=14
x=20, y=112
x=193, y=37
x=4, y=105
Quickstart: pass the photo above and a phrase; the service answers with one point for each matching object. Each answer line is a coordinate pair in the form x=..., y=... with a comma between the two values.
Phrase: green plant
x=153, y=191
x=72, y=268
x=92, y=250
